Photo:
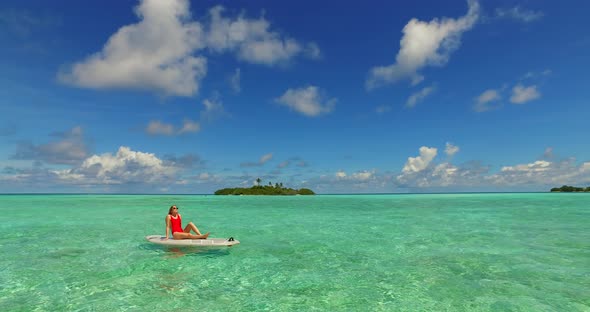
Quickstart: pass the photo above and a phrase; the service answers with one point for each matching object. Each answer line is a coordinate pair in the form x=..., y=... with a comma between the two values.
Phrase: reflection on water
x=176, y=252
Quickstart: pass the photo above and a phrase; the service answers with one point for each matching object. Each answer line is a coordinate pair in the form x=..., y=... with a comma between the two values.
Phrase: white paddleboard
x=209, y=242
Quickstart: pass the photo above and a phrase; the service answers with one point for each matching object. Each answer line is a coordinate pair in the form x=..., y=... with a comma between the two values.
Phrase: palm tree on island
x=569, y=189
x=258, y=189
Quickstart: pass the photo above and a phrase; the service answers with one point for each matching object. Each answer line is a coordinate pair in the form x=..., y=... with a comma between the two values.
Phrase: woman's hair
x=170, y=210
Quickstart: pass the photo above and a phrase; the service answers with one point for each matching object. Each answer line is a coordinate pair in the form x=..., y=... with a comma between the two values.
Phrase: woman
x=174, y=221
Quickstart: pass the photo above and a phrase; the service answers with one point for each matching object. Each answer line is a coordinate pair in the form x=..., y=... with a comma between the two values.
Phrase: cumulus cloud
x=424, y=44
x=451, y=149
x=519, y=13
x=419, y=163
x=362, y=175
x=126, y=166
x=252, y=40
x=415, y=165
x=154, y=54
x=164, y=51
x=484, y=100
x=419, y=96
x=309, y=101
x=359, y=176
x=522, y=94
x=542, y=172
x=69, y=149
x=538, y=174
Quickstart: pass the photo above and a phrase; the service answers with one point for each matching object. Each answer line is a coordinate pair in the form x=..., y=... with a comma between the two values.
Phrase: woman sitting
x=174, y=221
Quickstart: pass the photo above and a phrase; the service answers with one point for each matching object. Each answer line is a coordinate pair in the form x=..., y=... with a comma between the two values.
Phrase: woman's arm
x=167, y=225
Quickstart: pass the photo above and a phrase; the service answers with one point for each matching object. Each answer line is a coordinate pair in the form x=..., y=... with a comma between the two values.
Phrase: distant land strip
x=569, y=189
x=269, y=189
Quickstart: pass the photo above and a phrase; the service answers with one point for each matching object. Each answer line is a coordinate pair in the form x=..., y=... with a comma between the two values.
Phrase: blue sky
x=177, y=96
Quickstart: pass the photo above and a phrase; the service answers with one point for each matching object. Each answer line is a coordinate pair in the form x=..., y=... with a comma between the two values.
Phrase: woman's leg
x=192, y=226
x=182, y=235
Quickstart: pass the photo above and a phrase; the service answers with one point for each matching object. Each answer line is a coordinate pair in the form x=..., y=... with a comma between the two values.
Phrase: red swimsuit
x=176, y=224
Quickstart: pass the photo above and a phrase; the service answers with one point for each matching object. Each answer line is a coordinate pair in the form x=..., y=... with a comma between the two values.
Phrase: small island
x=569, y=189
x=270, y=189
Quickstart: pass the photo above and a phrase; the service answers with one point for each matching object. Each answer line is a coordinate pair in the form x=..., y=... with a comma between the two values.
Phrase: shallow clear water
x=448, y=252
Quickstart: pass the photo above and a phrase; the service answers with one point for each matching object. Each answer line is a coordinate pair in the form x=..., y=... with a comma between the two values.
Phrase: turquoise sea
x=439, y=252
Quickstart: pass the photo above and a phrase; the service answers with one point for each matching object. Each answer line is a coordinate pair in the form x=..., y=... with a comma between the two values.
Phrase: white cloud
x=154, y=54
x=423, y=44
x=539, y=165
x=360, y=176
x=235, y=81
x=540, y=175
x=253, y=40
x=417, y=164
x=156, y=127
x=520, y=14
x=482, y=102
x=451, y=149
x=542, y=172
x=521, y=94
x=419, y=96
x=126, y=166
x=159, y=53
x=308, y=101
x=446, y=173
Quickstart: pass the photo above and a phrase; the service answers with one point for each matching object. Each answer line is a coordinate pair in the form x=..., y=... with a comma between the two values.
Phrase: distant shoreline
x=265, y=190
x=570, y=189
x=209, y=194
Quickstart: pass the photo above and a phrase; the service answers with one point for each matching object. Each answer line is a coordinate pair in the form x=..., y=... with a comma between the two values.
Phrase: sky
x=178, y=96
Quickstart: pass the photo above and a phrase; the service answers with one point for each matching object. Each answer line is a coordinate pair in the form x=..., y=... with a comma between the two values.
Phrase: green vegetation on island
x=567, y=188
x=269, y=189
